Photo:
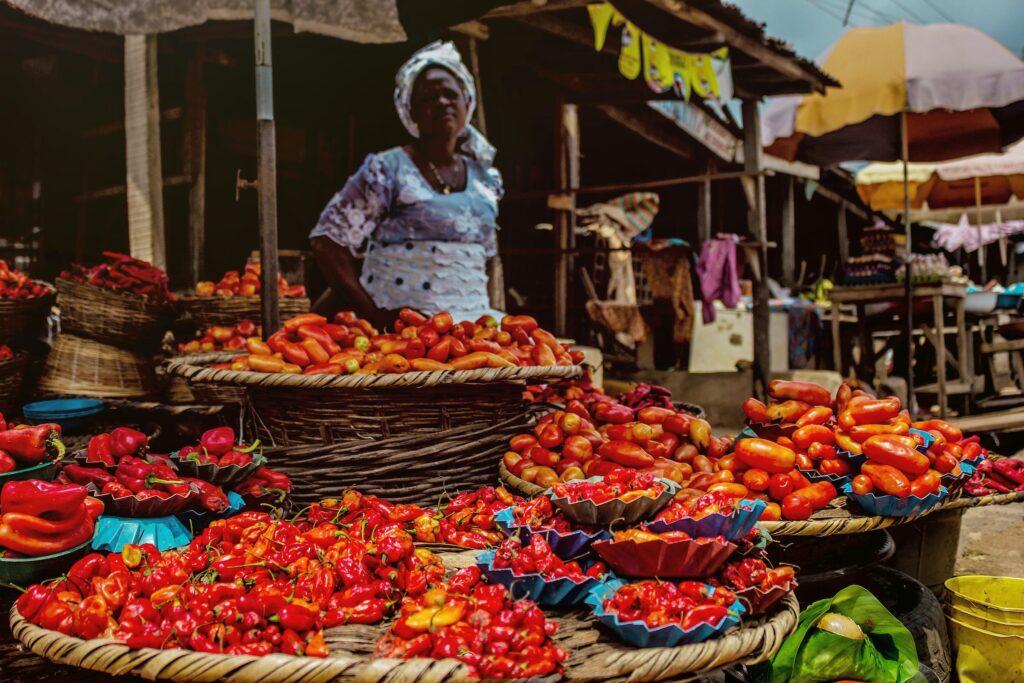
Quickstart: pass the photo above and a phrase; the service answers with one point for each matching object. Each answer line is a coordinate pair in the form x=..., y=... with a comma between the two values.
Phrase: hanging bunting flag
x=706, y=76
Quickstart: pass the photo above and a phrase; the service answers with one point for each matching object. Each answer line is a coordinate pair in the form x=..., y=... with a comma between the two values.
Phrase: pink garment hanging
x=719, y=272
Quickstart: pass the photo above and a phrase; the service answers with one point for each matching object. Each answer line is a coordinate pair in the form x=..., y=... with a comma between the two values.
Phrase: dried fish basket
x=230, y=310
x=77, y=366
x=292, y=410
x=20, y=317
x=120, y=318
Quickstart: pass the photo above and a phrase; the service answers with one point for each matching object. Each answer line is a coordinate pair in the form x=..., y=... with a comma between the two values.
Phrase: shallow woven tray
x=294, y=410
x=120, y=318
x=12, y=372
x=23, y=316
x=77, y=366
x=415, y=468
x=230, y=310
x=593, y=655
x=514, y=483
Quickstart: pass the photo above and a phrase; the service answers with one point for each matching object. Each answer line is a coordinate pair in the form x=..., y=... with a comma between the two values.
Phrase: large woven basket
x=415, y=468
x=12, y=373
x=77, y=366
x=593, y=655
x=290, y=410
x=120, y=318
x=20, y=317
x=221, y=310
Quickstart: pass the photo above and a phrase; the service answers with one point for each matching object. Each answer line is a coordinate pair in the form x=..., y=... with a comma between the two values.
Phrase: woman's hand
x=339, y=268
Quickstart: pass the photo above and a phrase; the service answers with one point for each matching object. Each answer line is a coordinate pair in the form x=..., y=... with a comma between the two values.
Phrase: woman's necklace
x=445, y=187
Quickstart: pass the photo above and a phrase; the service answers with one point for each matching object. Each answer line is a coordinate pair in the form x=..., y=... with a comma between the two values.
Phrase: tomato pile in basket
x=246, y=283
x=310, y=345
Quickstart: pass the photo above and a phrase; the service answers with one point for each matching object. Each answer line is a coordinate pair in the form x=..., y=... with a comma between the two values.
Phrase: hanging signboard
x=704, y=75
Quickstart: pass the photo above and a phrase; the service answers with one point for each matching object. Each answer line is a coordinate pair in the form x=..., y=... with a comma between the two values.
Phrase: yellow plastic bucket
x=986, y=657
x=985, y=624
x=998, y=598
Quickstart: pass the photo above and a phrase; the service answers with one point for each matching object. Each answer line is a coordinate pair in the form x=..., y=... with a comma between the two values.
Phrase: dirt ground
x=992, y=541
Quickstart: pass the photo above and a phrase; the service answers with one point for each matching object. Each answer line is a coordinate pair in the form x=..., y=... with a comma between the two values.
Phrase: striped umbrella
x=910, y=93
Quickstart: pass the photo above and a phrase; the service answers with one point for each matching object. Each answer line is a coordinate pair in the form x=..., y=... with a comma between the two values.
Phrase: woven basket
x=208, y=394
x=290, y=410
x=229, y=310
x=82, y=367
x=120, y=318
x=176, y=390
x=592, y=655
x=12, y=372
x=416, y=468
x=20, y=317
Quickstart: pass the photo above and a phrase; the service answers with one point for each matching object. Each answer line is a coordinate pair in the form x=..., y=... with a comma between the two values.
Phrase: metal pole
x=267, y=169
x=909, y=285
x=977, y=227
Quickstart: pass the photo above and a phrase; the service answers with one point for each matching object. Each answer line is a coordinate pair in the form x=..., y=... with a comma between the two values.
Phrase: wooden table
x=940, y=294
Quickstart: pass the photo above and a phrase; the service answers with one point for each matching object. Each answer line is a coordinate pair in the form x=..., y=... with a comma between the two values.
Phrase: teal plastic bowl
x=46, y=471
x=28, y=570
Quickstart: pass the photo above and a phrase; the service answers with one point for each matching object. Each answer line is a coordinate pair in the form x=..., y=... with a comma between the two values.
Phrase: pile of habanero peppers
x=123, y=273
x=15, y=284
x=467, y=520
x=252, y=584
x=309, y=345
x=22, y=446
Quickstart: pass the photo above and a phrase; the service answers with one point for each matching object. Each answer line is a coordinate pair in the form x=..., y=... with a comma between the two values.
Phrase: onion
x=841, y=625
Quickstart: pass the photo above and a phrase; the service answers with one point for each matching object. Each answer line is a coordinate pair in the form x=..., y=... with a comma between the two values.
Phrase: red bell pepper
x=32, y=445
x=126, y=441
x=218, y=441
x=35, y=497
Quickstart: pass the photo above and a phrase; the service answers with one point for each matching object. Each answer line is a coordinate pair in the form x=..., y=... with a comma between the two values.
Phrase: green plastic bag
x=812, y=655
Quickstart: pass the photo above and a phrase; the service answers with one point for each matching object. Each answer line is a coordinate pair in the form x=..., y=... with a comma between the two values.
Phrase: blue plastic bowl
x=928, y=440
x=894, y=506
x=549, y=592
x=736, y=524
x=71, y=414
x=639, y=634
x=566, y=546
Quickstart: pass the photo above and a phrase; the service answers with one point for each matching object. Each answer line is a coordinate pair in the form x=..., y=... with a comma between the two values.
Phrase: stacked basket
x=19, y=319
x=206, y=311
x=98, y=350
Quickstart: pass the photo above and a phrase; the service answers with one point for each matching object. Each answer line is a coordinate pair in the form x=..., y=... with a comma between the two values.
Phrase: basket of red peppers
x=23, y=302
x=29, y=452
x=122, y=301
x=44, y=527
x=219, y=459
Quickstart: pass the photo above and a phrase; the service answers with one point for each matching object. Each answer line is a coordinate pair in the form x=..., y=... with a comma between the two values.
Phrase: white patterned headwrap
x=442, y=53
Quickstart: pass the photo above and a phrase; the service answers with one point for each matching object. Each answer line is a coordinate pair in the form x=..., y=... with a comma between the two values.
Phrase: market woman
x=424, y=214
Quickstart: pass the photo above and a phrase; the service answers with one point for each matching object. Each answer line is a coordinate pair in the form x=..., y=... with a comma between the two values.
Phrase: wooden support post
x=194, y=155
x=143, y=178
x=758, y=232
x=567, y=159
x=788, y=235
x=267, y=156
x=704, y=210
x=842, y=235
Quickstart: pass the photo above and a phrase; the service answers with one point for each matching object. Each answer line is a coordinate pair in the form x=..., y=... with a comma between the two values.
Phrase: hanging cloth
x=719, y=273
